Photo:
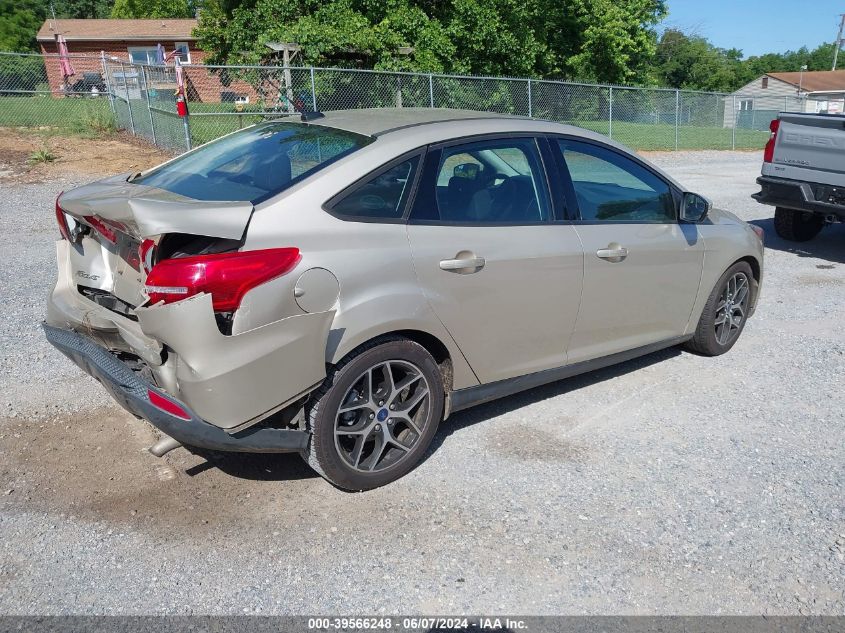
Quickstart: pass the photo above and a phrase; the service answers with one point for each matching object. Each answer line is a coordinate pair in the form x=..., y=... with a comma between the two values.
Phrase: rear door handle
x=468, y=265
x=613, y=252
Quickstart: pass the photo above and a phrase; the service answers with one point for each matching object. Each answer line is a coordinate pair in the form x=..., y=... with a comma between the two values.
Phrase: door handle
x=465, y=265
x=613, y=252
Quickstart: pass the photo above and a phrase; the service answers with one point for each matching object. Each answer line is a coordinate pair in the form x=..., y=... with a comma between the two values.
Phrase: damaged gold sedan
x=336, y=286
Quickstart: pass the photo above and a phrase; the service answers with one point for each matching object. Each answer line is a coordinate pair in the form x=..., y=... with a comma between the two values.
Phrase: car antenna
x=310, y=116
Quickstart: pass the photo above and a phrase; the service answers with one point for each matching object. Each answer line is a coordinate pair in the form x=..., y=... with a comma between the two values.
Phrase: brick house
x=127, y=40
x=135, y=41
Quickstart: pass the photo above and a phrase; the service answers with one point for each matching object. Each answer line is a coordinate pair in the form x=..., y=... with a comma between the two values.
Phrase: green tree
x=151, y=9
x=19, y=22
x=689, y=61
x=605, y=40
x=82, y=9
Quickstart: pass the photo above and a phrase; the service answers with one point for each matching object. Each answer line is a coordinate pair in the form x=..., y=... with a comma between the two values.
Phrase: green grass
x=93, y=117
x=74, y=115
x=649, y=137
x=41, y=156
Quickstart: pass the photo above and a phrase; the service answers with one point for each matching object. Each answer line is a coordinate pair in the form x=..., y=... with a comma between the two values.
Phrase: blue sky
x=758, y=26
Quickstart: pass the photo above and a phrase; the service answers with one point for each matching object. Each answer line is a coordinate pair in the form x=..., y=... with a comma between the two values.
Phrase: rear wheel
x=797, y=226
x=376, y=414
x=725, y=312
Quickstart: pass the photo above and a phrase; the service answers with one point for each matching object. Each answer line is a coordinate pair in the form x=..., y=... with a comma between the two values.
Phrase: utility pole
x=838, y=43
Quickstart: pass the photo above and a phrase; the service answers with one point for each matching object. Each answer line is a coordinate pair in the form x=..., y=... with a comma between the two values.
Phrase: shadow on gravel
x=829, y=244
x=484, y=412
x=253, y=466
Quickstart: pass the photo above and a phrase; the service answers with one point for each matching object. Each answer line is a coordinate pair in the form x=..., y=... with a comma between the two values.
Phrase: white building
x=759, y=101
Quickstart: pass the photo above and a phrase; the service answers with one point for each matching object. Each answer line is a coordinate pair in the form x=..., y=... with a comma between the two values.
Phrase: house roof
x=101, y=30
x=814, y=81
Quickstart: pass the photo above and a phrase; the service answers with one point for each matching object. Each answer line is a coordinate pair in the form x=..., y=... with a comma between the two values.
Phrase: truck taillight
x=769, y=152
x=61, y=218
x=227, y=277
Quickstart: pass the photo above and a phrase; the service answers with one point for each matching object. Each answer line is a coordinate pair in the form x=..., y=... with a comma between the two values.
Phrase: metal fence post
x=108, y=80
x=735, y=119
x=610, y=112
x=313, y=91
x=530, y=109
x=149, y=106
x=128, y=101
x=677, y=116
x=431, y=90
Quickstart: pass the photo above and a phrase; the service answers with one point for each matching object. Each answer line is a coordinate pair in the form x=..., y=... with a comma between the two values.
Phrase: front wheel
x=725, y=312
x=375, y=415
x=797, y=226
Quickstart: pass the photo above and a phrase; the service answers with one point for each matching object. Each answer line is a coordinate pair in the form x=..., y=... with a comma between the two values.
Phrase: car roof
x=379, y=121
x=415, y=127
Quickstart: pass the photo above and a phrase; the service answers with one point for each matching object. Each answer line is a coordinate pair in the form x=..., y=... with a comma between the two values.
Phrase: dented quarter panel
x=379, y=292
x=229, y=380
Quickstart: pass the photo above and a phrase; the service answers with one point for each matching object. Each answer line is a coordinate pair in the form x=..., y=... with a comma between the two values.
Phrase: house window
x=184, y=52
x=765, y=83
x=746, y=104
x=142, y=54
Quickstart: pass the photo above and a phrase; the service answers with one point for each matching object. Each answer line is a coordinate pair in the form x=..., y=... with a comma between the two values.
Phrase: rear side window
x=612, y=188
x=254, y=164
x=485, y=182
x=381, y=196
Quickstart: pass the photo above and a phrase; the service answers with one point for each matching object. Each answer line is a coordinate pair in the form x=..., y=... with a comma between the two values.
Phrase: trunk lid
x=141, y=211
x=109, y=271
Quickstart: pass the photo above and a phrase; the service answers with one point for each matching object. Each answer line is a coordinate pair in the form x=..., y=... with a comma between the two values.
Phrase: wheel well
x=755, y=266
x=434, y=347
x=428, y=341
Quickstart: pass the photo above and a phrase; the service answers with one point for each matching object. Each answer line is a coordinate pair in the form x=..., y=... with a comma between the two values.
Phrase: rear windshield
x=255, y=163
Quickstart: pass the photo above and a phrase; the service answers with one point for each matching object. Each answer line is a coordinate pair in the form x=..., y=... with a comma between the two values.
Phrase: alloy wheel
x=382, y=416
x=732, y=308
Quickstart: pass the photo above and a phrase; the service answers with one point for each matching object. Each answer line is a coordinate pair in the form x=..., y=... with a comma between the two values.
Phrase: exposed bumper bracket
x=132, y=392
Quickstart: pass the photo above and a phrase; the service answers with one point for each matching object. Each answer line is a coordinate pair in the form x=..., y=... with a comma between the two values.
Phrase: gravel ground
x=673, y=484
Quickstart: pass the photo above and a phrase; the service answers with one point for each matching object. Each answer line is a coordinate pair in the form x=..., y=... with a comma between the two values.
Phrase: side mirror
x=694, y=208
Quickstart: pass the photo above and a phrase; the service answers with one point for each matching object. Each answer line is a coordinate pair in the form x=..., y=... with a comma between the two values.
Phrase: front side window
x=487, y=182
x=255, y=163
x=382, y=196
x=610, y=187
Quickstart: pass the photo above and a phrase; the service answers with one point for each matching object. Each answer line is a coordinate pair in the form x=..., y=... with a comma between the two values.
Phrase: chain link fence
x=107, y=93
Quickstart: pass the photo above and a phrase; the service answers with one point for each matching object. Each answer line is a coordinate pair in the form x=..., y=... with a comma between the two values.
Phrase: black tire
x=332, y=454
x=797, y=226
x=706, y=340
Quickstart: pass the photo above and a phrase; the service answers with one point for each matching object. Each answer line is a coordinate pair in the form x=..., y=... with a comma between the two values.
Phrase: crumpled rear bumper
x=133, y=393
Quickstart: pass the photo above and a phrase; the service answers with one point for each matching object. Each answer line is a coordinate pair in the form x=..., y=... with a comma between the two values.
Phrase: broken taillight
x=227, y=277
x=101, y=227
x=61, y=218
x=769, y=152
x=146, y=251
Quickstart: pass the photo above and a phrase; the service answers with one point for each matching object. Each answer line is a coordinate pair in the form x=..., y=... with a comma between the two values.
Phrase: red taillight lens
x=227, y=277
x=146, y=251
x=62, y=220
x=769, y=152
x=101, y=227
x=168, y=406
